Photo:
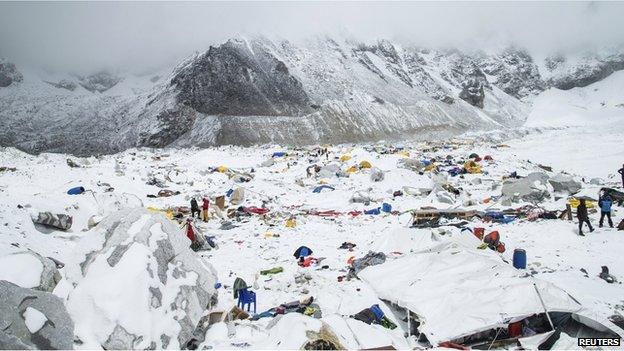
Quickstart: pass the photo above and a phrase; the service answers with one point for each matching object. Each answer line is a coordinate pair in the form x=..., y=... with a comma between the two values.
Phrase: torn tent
x=457, y=290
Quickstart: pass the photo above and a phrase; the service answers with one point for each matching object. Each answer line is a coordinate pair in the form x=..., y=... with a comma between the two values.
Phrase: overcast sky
x=143, y=35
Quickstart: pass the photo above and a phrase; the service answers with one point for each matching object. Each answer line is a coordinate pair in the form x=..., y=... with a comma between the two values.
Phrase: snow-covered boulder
x=8, y=74
x=532, y=188
x=29, y=270
x=138, y=284
x=563, y=183
x=31, y=319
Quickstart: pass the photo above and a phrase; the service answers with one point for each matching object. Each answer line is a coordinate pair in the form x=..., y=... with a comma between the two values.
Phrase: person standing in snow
x=190, y=233
x=205, y=207
x=621, y=171
x=605, y=203
x=581, y=214
x=194, y=208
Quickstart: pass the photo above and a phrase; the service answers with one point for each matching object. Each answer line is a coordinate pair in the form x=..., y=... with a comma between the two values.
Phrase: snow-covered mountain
x=249, y=91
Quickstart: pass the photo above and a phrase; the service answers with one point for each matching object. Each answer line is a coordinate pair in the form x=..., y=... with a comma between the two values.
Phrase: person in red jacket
x=190, y=233
x=205, y=207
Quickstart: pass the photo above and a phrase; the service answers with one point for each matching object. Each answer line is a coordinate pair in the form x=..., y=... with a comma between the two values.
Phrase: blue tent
x=319, y=188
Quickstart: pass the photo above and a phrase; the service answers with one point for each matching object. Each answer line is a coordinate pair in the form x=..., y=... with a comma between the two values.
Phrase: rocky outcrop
x=590, y=68
x=99, y=82
x=514, y=72
x=241, y=78
x=472, y=92
x=64, y=84
x=171, y=285
x=9, y=74
x=31, y=319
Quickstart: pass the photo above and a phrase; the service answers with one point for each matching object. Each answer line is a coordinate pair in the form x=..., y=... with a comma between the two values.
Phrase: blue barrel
x=76, y=191
x=386, y=207
x=519, y=259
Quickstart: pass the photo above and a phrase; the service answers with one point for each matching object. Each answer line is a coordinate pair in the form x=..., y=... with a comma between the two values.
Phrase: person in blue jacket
x=605, y=210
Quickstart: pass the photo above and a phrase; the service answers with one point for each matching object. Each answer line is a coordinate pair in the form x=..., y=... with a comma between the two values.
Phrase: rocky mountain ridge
x=252, y=91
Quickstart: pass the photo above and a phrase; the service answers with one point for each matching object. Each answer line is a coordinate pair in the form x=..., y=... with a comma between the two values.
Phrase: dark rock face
x=472, y=92
x=100, y=82
x=9, y=74
x=64, y=84
x=591, y=71
x=241, y=79
x=515, y=73
x=171, y=125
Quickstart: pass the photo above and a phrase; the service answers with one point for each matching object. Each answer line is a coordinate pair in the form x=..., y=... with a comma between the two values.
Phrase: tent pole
x=544, y=306
x=409, y=328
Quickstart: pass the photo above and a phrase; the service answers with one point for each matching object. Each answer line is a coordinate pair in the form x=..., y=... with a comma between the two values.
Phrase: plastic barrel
x=519, y=259
x=386, y=207
x=76, y=191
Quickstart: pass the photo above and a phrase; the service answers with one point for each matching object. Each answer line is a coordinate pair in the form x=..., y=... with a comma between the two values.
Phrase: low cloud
x=142, y=36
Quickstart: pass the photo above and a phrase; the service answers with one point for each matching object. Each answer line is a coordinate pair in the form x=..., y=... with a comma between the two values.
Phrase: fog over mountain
x=142, y=36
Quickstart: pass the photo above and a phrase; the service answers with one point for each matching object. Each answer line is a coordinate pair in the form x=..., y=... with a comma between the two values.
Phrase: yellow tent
x=472, y=167
x=222, y=169
x=365, y=164
x=574, y=202
x=345, y=158
x=168, y=213
x=431, y=167
x=291, y=223
x=404, y=153
x=352, y=169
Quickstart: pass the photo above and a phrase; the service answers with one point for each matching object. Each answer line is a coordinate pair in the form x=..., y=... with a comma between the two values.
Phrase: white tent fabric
x=457, y=289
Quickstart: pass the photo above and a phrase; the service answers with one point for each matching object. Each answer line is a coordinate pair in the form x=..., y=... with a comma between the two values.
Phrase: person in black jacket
x=583, y=217
x=194, y=208
x=621, y=171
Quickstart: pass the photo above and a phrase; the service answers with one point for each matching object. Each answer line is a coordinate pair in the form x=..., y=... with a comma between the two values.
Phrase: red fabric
x=479, y=232
x=307, y=261
x=492, y=238
x=452, y=345
x=477, y=159
x=256, y=210
x=206, y=204
x=500, y=247
x=189, y=232
x=515, y=329
x=355, y=213
x=488, y=158
x=328, y=213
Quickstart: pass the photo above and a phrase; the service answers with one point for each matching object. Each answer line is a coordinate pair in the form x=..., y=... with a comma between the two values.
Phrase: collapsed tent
x=457, y=291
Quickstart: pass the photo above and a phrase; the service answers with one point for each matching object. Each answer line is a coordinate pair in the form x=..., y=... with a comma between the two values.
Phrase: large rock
x=566, y=184
x=532, y=188
x=138, y=284
x=472, y=92
x=28, y=269
x=31, y=319
x=241, y=78
x=8, y=74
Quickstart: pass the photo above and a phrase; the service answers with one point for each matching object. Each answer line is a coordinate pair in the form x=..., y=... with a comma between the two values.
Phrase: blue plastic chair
x=246, y=297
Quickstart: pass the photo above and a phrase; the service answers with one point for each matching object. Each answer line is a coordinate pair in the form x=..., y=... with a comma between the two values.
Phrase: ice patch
x=34, y=319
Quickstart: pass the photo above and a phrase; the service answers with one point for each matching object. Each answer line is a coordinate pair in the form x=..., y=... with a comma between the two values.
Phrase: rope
x=495, y=336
